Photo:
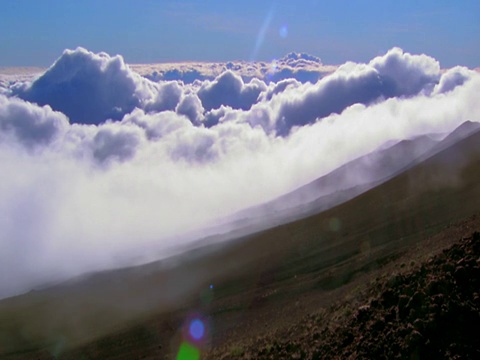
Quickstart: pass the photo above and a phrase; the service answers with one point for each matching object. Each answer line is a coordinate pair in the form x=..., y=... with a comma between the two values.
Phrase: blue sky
x=34, y=32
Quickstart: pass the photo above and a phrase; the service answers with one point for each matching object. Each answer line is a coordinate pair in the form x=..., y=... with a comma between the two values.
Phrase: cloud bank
x=300, y=66
x=106, y=168
x=88, y=88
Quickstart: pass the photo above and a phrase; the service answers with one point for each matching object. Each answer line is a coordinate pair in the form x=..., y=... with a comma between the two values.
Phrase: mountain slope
x=322, y=252
x=347, y=181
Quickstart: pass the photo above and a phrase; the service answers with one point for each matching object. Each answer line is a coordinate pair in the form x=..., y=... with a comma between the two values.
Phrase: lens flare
x=262, y=33
x=197, y=329
x=194, y=334
x=283, y=31
x=188, y=352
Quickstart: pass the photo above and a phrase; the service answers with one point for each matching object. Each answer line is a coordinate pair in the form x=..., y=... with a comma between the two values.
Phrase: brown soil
x=425, y=311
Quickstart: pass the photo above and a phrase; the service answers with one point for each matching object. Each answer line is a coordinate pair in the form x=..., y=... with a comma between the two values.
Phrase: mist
x=94, y=185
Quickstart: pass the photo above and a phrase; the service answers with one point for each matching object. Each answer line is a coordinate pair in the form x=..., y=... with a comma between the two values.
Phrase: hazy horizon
x=34, y=33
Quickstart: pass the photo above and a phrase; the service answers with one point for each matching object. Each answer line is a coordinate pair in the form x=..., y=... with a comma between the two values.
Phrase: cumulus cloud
x=89, y=88
x=111, y=142
x=276, y=88
x=156, y=125
x=29, y=124
x=229, y=89
x=4, y=87
x=82, y=197
x=452, y=78
x=214, y=116
x=191, y=106
x=167, y=97
x=404, y=74
x=300, y=59
x=300, y=66
x=396, y=74
x=187, y=76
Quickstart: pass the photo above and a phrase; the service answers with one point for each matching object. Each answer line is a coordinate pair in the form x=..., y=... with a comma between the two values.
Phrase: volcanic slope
x=299, y=266
x=347, y=181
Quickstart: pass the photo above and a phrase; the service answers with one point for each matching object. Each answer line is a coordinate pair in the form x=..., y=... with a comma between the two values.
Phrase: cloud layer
x=300, y=66
x=107, y=168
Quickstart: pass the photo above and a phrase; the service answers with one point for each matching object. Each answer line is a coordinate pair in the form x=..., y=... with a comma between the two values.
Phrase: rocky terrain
x=430, y=311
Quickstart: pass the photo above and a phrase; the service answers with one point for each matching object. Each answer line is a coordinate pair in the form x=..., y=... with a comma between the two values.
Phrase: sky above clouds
x=33, y=33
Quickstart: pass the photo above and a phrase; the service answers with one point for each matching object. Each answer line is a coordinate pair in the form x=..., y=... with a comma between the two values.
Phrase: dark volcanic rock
x=432, y=312
x=443, y=313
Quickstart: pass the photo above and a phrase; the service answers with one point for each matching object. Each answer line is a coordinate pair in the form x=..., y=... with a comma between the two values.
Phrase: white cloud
x=89, y=88
x=404, y=74
x=29, y=124
x=156, y=125
x=4, y=87
x=229, y=89
x=276, y=88
x=191, y=106
x=167, y=97
x=452, y=78
x=394, y=74
x=299, y=66
x=117, y=143
x=84, y=197
x=297, y=60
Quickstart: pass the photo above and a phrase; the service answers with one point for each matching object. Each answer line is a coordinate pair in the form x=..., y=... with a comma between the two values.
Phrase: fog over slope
x=103, y=167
